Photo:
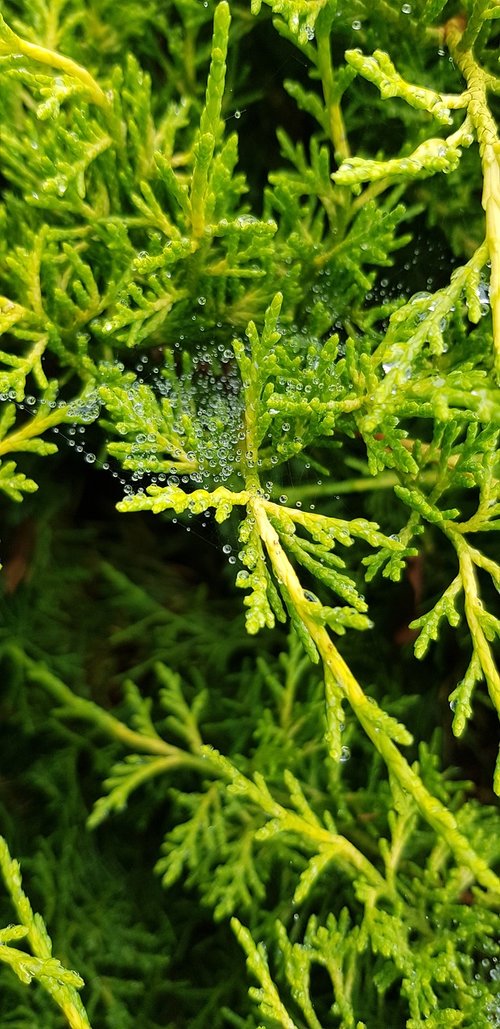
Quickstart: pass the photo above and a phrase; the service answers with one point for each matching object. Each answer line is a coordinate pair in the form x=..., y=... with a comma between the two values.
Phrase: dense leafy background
x=99, y=599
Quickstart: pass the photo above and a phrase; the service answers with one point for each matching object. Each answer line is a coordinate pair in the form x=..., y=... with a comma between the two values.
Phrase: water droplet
x=237, y=114
x=202, y=301
x=356, y=25
x=345, y=754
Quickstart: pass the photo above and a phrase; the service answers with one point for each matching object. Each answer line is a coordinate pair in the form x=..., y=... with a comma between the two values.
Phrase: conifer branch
x=58, y=981
x=79, y=708
x=460, y=46
x=368, y=713
x=252, y=355
x=11, y=43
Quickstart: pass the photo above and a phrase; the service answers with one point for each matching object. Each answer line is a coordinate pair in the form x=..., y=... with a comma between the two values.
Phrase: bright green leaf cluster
x=226, y=342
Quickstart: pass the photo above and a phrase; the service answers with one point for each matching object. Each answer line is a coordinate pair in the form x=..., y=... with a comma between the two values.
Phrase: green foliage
x=60, y=983
x=278, y=364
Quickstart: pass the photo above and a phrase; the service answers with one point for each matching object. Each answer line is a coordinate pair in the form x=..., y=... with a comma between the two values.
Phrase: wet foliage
x=250, y=321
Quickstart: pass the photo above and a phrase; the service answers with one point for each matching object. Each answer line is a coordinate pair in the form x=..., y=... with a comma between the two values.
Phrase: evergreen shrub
x=250, y=321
